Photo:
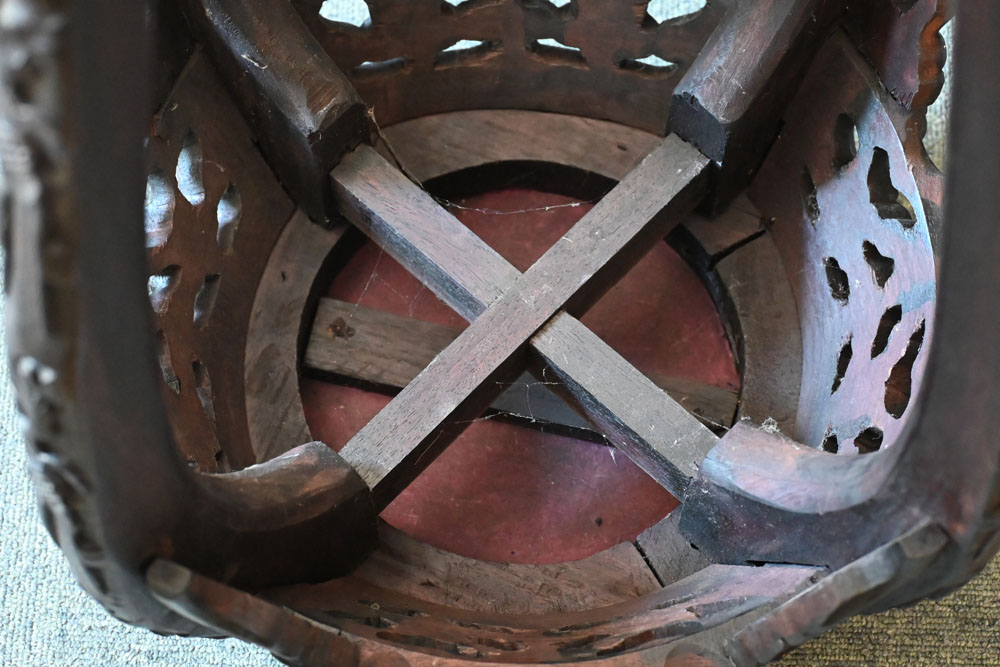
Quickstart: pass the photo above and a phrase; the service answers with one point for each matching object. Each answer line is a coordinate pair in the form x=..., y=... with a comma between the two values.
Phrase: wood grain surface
x=573, y=273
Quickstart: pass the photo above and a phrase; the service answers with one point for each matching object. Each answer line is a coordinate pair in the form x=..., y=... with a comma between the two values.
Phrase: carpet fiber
x=48, y=620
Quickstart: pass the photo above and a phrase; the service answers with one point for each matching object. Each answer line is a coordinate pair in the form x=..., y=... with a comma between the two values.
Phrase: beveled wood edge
x=304, y=110
x=753, y=638
x=863, y=586
x=769, y=344
x=788, y=474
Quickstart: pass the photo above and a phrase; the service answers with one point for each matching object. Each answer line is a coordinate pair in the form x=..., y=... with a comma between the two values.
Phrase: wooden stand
x=776, y=146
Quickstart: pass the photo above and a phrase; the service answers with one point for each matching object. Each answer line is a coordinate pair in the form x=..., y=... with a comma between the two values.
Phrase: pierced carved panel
x=849, y=219
x=214, y=210
x=609, y=60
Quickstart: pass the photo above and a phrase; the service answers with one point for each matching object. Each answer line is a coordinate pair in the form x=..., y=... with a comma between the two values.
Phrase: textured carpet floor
x=46, y=619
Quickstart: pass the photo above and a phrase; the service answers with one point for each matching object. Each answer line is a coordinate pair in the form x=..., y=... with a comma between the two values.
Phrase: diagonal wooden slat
x=431, y=243
x=461, y=381
x=638, y=417
x=388, y=351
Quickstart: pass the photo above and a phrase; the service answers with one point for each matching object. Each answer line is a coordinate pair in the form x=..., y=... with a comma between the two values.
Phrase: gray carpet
x=48, y=620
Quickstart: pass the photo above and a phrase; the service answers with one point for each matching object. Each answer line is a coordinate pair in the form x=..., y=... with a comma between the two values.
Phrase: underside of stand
x=505, y=332
x=417, y=596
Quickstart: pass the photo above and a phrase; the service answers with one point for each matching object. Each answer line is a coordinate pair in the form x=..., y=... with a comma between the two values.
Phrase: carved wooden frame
x=88, y=382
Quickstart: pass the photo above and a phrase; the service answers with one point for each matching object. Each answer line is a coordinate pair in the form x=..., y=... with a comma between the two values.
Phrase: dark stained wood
x=116, y=488
x=845, y=592
x=302, y=629
x=611, y=635
x=173, y=46
x=729, y=102
x=292, y=638
x=269, y=508
x=305, y=113
x=56, y=226
x=199, y=127
x=389, y=350
x=902, y=40
x=461, y=381
x=961, y=370
x=916, y=518
x=407, y=75
x=638, y=417
x=757, y=477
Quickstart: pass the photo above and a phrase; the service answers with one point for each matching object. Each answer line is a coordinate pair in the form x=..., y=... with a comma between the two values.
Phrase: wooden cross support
x=308, y=116
x=384, y=352
x=506, y=310
x=736, y=87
